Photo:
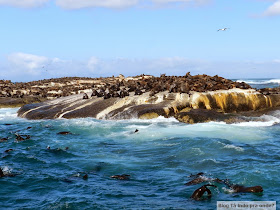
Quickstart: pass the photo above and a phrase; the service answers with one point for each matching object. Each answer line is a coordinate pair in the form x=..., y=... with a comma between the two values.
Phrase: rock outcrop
x=188, y=98
x=180, y=105
x=109, y=87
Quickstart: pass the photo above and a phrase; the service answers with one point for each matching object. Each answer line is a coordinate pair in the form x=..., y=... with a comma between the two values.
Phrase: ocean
x=49, y=169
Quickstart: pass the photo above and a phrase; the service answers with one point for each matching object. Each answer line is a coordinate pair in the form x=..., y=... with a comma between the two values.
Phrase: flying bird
x=222, y=29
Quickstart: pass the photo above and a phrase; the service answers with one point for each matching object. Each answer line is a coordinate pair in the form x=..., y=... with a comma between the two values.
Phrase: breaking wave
x=259, y=81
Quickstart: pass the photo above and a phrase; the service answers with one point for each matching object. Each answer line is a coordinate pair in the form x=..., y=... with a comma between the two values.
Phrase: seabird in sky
x=223, y=29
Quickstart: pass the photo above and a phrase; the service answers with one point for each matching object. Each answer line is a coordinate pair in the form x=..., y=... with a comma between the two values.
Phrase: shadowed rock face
x=8, y=102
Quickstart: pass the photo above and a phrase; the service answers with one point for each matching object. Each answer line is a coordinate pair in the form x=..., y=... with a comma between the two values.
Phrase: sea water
x=159, y=158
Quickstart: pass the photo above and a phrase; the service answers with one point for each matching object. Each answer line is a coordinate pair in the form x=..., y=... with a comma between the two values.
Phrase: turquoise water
x=159, y=158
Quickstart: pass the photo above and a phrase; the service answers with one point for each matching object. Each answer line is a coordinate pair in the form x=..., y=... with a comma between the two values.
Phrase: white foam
x=262, y=121
x=211, y=160
x=6, y=170
x=159, y=119
x=8, y=113
x=83, y=122
x=260, y=82
x=256, y=124
x=168, y=145
x=275, y=81
x=198, y=151
x=228, y=190
x=230, y=146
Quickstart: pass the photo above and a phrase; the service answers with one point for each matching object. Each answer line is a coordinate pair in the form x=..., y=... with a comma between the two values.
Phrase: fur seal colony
x=112, y=86
x=142, y=96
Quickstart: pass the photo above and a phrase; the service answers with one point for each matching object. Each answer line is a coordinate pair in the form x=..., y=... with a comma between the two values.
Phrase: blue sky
x=57, y=38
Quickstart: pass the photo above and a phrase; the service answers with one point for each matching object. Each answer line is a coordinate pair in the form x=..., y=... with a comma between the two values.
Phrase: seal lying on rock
x=197, y=194
x=85, y=96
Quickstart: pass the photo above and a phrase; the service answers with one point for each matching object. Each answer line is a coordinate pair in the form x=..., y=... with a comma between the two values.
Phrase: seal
x=200, y=177
x=85, y=96
x=107, y=95
x=64, y=133
x=85, y=177
x=196, y=175
x=21, y=137
x=121, y=177
x=1, y=173
x=9, y=150
x=94, y=93
x=198, y=193
x=240, y=188
x=3, y=139
x=6, y=174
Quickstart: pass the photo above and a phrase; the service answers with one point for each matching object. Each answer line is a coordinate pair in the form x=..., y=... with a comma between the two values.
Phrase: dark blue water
x=159, y=158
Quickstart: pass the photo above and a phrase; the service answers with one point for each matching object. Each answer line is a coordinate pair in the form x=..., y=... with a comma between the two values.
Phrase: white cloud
x=179, y=1
x=93, y=63
x=26, y=67
x=169, y=62
x=28, y=62
x=114, y=4
x=273, y=10
x=23, y=3
x=79, y=4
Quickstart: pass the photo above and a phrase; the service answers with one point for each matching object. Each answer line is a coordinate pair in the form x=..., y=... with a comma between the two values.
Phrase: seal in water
x=6, y=174
x=121, y=177
x=9, y=150
x=197, y=194
x=239, y=188
x=200, y=177
x=196, y=175
x=64, y=133
x=1, y=173
x=21, y=137
x=3, y=139
x=85, y=177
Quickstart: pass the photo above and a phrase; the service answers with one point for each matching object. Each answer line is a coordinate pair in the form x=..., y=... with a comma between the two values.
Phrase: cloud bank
x=23, y=3
x=21, y=67
x=74, y=4
x=28, y=62
x=273, y=10
x=81, y=4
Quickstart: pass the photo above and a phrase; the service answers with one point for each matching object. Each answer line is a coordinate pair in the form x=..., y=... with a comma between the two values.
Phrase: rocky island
x=188, y=98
